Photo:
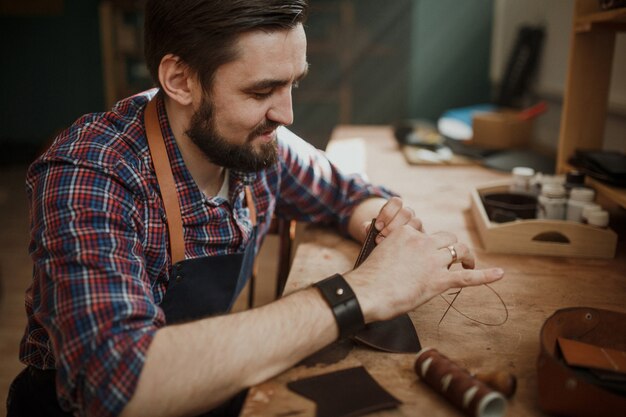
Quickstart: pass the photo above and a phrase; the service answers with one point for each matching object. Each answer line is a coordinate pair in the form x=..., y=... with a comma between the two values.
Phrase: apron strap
x=165, y=179
x=250, y=204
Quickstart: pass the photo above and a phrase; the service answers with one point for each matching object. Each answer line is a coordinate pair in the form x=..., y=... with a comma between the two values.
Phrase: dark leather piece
x=345, y=393
x=343, y=303
x=396, y=335
x=330, y=354
x=576, y=392
x=368, y=245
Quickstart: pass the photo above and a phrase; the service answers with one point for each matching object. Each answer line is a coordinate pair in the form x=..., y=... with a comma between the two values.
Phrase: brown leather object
x=396, y=335
x=368, y=245
x=165, y=178
x=590, y=356
x=572, y=392
x=345, y=393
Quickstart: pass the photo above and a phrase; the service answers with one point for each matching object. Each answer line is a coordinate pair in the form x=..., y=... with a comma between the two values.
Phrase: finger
x=416, y=224
x=457, y=253
x=473, y=277
x=467, y=259
x=402, y=217
x=388, y=212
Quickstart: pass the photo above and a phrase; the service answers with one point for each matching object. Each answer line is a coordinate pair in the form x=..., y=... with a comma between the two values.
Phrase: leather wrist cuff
x=344, y=305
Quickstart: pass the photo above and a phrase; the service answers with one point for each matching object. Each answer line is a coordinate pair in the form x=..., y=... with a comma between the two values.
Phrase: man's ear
x=176, y=79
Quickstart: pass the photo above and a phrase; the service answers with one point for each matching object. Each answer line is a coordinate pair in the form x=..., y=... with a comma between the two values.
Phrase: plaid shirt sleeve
x=91, y=292
x=313, y=189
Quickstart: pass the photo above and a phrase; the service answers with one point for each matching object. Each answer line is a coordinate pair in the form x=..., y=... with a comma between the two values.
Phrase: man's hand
x=409, y=267
x=390, y=215
x=393, y=215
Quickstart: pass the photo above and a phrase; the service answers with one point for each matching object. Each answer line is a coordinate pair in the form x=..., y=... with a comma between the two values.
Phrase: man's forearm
x=195, y=366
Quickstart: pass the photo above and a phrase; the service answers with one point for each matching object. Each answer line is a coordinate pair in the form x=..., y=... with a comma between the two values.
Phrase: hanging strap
x=165, y=178
x=250, y=204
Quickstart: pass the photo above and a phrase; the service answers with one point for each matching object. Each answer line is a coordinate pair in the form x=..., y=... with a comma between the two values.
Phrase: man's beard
x=239, y=157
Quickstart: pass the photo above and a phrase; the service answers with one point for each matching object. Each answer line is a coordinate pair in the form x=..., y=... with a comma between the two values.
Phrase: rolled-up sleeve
x=314, y=189
x=91, y=293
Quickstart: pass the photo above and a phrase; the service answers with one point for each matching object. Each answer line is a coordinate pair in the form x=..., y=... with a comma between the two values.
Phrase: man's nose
x=281, y=110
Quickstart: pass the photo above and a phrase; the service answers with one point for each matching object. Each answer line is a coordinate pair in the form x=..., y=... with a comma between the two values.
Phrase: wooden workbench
x=533, y=288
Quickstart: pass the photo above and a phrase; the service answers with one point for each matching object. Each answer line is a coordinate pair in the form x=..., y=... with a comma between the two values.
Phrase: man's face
x=250, y=97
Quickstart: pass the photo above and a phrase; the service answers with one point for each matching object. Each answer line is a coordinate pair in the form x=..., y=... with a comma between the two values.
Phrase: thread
x=456, y=295
x=457, y=385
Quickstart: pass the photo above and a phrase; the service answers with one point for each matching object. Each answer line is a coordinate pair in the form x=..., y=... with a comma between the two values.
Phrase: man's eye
x=259, y=95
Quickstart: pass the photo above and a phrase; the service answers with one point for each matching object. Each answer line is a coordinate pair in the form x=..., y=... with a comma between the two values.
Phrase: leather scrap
x=587, y=355
x=333, y=353
x=346, y=393
x=394, y=336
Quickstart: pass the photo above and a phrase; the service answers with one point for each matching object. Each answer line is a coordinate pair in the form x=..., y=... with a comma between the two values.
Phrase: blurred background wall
x=372, y=62
x=51, y=70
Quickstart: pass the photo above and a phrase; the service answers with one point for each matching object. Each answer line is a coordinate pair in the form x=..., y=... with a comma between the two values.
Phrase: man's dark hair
x=203, y=32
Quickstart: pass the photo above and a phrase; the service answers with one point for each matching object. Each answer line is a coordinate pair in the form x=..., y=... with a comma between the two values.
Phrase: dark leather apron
x=203, y=286
x=197, y=288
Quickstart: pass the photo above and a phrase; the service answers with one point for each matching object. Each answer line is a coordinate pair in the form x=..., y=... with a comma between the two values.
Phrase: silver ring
x=453, y=253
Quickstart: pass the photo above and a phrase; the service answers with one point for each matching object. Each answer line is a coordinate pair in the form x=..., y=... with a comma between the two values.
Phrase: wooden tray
x=540, y=237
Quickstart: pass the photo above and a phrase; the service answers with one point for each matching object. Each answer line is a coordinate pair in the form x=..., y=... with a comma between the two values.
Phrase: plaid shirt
x=99, y=242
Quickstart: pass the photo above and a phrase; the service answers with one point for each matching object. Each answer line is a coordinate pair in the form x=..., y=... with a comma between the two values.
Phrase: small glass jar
x=598, y=218
x=521, y=180
x=578, y=198
x=588, y=209
x=552, y=202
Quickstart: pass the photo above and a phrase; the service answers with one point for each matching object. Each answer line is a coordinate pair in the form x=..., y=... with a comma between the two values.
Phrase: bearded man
x=146, y=220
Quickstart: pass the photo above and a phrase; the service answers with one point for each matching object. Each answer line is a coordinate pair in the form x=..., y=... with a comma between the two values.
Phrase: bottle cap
x=575, y=178
x=552, y=179
x=553, y=190
x=599, y=218
x=524, y=172
x=582, y=194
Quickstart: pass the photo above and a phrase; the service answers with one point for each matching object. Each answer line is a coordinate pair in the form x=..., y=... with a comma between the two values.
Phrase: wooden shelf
x=121, y=35
x=617, y=195
x=614, y=20
x=588, y=84
x=604, y=17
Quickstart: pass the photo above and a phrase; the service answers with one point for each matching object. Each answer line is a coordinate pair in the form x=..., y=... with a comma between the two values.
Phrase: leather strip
x=165, y=179
x=368, y=245
x=250, y=203
x=344, y=305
